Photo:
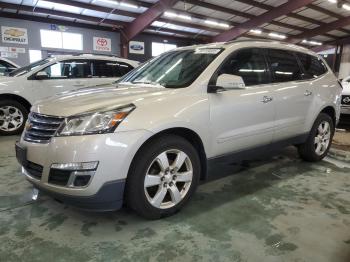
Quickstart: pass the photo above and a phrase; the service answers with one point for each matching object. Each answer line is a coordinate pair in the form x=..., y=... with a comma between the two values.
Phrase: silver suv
x=149, y=140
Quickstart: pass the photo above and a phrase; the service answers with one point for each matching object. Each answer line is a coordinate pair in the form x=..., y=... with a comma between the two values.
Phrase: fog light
x=83, y=166
x=72, y=174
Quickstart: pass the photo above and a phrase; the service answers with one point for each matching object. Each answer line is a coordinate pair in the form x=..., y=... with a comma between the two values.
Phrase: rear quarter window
x=313, y=66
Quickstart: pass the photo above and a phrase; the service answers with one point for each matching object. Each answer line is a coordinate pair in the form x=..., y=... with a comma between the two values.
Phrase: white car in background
x=7, y=66
x=50, y=76
x=345, y=100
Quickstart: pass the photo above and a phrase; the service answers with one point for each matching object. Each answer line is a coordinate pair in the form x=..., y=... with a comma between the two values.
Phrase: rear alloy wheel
x=12, y=117
x=163, y=176
x=323, y=138
x=319, y=140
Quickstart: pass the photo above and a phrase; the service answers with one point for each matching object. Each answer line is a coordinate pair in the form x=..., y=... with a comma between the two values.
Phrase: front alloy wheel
x=163, y=176
x=168, y=179
x=11, y=118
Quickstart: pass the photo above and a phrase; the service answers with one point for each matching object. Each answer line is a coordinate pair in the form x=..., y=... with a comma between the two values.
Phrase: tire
x=310, y=150
x=149, y=160
x=13, y=116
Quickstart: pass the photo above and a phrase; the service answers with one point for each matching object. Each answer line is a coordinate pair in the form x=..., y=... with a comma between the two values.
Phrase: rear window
x=313, y=66
x=284, y=66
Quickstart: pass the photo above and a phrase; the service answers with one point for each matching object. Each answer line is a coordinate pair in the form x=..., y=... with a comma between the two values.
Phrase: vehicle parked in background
x=7, y=66
x=151, y=140
x=47, y=77
x=345, y=100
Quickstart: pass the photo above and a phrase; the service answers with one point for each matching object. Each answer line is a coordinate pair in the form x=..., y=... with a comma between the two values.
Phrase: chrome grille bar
x=41, y=128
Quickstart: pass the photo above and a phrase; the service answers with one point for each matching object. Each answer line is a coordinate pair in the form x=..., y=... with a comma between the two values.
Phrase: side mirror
x=227, y=82
x=42, y=75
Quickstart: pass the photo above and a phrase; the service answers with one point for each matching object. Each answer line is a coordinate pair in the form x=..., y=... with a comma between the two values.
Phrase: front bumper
x=113, y=152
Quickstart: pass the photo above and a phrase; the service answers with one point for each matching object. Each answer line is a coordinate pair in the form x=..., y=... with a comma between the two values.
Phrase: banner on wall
x=14, y=35
x=136, y=47
x=102, y=44
x=8, y=55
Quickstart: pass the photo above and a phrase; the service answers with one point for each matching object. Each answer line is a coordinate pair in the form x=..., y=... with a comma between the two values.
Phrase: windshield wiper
x=148, y=83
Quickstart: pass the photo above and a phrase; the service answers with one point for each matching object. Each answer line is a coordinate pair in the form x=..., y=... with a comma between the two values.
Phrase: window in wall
x=313, y=66
x=248, y=64
x=69, y=69
x=34, y=55
x=159, y=48
x=61, y=40
x=284, y=66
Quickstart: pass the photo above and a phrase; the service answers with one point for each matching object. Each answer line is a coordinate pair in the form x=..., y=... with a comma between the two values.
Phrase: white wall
x=344, y=70
x=33, y=29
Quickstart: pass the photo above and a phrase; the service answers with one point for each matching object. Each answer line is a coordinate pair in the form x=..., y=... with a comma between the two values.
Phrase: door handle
x=266, y=99
x=307, y=93
x=78, y=84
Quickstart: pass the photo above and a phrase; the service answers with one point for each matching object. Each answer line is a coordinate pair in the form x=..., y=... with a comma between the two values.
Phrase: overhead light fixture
x=186, y=17
x=332, y=1
x=255, y=31
x=346, y=7
x=111, y=2
x=211, y=22
x=275, y=35
x=311, y=42
x=128, y=5
x=173, y=15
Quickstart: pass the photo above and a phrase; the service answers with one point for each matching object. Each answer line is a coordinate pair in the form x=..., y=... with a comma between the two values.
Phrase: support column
x=344, y=68
x=124, y=46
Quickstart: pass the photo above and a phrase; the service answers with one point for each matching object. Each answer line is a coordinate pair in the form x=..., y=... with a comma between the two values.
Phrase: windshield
x=175, y=69
x=28, y=68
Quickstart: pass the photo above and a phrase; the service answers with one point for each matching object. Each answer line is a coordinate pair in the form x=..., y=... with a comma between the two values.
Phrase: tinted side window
x=284, y=66
x=5, y=67
x=103, y=68
x=312, y=65
x=125, y=68
x=249, y=64
x=69, y=69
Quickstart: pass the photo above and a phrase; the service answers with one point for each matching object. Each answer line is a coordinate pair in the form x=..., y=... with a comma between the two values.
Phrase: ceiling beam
x=345, y=21
x=257, y=21
x=133, y=14
x=56, y=21
x=297, y=16
x=147, y=18
x=40, y=10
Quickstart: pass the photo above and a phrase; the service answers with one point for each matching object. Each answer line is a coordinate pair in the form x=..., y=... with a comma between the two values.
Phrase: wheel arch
x=17, y=98
x=191, y=136
x=329, y=110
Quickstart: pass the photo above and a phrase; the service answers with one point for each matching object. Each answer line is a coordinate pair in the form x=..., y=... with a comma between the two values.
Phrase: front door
x=64, y=76
x=244, y=118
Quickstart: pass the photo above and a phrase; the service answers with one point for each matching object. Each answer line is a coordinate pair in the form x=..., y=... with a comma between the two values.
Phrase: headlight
x=95, y=122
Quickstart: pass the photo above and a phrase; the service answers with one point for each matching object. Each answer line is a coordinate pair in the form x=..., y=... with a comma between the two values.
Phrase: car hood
x=97, y=98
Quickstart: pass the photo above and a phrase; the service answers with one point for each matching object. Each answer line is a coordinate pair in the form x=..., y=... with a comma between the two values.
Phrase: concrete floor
x=278, y=210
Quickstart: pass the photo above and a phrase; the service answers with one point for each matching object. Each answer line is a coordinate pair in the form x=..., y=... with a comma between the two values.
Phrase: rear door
x=106, y=71
x=292, y=93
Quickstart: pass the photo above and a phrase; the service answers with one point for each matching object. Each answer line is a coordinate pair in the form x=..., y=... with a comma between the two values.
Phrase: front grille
x=40, y=128
x=34, y=170
x=59, y=177
x=345, y=100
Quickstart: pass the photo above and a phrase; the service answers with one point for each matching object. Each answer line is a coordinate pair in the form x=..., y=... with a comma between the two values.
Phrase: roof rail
x=80, y=54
